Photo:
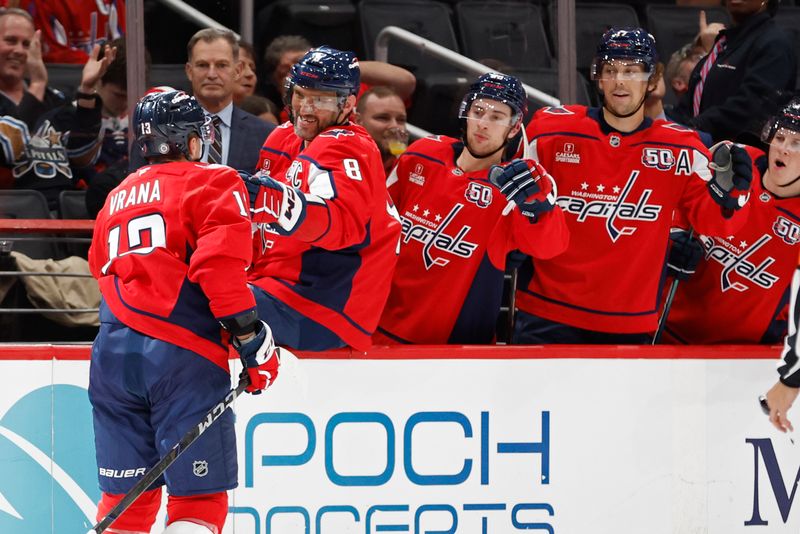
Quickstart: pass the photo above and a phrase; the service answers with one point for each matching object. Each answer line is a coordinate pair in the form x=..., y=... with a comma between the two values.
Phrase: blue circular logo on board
x=48, y=479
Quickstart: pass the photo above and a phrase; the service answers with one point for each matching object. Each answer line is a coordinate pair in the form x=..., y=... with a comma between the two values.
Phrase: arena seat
x=591, y=21
x=507, y=31
x=171, y=74
x=27, y=204
x=788, y=19
x=431, y=20
x=72, y=205
x=330, y=22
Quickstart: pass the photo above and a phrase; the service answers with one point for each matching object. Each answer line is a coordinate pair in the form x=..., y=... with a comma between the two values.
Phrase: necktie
x=712, y=57
x=215, y=149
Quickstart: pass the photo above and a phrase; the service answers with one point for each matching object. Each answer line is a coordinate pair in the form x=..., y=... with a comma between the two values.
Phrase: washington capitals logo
x=614, y=210
x=336, y=134
x=433, y=237
x=740, y=264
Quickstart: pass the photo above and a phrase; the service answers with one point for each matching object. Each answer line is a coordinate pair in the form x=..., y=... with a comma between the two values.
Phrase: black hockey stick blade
x=184, y=443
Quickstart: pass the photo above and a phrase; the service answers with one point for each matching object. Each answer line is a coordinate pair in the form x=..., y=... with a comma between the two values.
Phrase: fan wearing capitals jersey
x=747, y=273
x=170, y=251
x=620, y=176
x=327, y=232
x=454, y=201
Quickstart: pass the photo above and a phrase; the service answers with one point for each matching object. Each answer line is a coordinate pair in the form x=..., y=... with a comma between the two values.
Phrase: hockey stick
x=184, y=443
x=662, y=321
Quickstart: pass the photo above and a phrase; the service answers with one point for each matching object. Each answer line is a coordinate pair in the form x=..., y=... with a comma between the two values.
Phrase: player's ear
x=514, y=130
x=349, y=105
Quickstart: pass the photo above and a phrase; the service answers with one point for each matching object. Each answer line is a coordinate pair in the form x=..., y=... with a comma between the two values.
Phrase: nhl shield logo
x=614, y=140
x=200, y=468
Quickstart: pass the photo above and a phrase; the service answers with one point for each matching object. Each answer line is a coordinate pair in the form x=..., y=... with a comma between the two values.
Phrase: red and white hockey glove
x=260, y=358
x=527, y=185
x=732, y=173
x=274, y=203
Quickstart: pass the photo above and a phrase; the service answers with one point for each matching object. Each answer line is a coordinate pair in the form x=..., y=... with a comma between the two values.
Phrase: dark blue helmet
x=164, y=121
x=788, y=117
x=625, y=43
x=500, y=87
x=326, y=69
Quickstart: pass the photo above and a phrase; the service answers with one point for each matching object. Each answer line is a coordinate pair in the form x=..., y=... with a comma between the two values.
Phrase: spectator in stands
x=382, y=113
x=729, y=90
x=21, y=53
x=679, y=68
x=71, y=28
x=261, y=107
x=65, y=137
x=212, y=68
x=654, y=103
x=284, y=50
x=248, y=79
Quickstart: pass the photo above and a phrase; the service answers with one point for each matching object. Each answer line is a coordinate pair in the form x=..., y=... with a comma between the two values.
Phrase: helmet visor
x=317, y=102
x=625, y=70
x=490, y=112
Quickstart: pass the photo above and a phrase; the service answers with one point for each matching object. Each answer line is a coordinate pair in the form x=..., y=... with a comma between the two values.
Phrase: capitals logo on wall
x=45, y=464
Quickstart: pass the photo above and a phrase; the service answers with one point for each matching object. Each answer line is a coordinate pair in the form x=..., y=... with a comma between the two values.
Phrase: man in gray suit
x=212, y=68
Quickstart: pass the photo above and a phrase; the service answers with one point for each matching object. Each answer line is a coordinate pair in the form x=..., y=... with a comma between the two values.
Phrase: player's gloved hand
x=527, y=185
x=685, y=253
x=732, y=173
x=260, y=358
x=274, y=202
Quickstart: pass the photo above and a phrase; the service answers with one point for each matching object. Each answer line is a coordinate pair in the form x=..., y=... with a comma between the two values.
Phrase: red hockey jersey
x=170, y=250
x=449, y=278
x=740, y=291
x=618, y=192
x=70, y=28
x=341, y=280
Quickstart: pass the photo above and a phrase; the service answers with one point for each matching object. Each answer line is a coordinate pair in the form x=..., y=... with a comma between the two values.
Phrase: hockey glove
x=274, y=203
x=732, y=172
x=685, y=253
x=527, y=185
x=260, y=358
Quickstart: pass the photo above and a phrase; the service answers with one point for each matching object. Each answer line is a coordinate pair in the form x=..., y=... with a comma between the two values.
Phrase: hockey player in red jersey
x=170, y=250
x=456, y=228
x=620, y=176
x=327, y=235
x=747, y=273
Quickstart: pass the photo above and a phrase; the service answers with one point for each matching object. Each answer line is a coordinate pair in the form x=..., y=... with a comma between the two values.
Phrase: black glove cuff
x=241, y=324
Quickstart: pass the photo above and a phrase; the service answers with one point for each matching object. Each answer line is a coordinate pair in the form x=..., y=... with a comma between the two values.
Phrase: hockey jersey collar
x=597, y=115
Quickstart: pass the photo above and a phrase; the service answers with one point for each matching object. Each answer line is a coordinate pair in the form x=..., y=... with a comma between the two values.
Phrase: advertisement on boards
x=446, y=446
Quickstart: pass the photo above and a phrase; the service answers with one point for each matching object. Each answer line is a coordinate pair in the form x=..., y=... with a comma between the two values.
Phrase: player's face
x=288, y=59
x=489, y=125
x=212, y=71
x=246, y=83
x=313, y=111
x=624, y=86
x=784, y=157
x=15, y=39
x=385, y=121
